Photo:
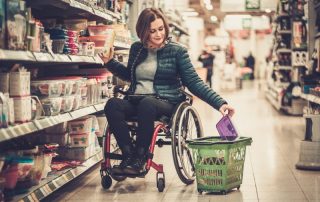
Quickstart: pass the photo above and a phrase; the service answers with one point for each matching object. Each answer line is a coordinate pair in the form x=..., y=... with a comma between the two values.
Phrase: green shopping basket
x=219, y=163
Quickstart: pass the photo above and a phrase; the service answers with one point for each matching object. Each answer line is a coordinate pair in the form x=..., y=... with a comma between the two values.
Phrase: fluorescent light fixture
x=207, y=2
x=213, y=18
x=190, y=14
x=209, y=7
x=268, y=10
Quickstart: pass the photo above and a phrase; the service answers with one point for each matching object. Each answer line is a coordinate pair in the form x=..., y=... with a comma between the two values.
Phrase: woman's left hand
x=225, y=109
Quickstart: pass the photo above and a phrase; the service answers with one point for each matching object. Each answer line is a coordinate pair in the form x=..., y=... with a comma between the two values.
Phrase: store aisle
x=269, y=173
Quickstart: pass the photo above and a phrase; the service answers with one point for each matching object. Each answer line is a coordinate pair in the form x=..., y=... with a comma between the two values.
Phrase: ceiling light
x=267, y=10
x=213, y=18
x=207, y=2
x=209, y=7
x=190, y=14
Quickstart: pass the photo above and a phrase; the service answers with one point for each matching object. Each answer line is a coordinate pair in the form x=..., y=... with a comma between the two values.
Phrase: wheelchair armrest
x=188, y=95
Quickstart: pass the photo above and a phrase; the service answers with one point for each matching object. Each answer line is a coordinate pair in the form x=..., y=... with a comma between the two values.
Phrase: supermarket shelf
x=74, y=6
x=273, y=101
x=284, y=67
x=28, y=56
x=178, y=27
x=311, y=98
x=57, y=180
x=284, y=31
x=284, y=50
x=40, y=124
x=120, y=45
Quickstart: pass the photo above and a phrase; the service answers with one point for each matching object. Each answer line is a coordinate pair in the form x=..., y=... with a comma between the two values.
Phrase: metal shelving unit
x=56, y=180
x=46, y=122
x=38, y=57
x=59, y=9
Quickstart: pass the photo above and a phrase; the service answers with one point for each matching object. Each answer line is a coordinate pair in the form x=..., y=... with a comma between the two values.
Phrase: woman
x=158, y=67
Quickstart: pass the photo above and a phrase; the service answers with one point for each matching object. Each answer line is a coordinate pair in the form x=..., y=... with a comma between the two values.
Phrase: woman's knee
x=111, y=106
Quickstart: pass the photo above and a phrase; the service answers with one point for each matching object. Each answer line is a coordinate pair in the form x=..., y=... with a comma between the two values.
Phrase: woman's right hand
x=106, y=56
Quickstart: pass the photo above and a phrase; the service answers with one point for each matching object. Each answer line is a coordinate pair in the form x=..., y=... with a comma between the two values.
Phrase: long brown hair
x=147, y=16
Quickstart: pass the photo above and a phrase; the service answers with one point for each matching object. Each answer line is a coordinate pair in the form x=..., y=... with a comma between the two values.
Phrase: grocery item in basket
x=226, y=129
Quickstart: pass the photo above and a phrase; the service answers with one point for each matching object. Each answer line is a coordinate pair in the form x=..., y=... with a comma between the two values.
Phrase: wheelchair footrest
x=141, y=175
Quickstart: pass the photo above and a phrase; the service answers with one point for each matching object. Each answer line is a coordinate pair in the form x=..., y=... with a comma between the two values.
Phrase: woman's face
x=157, y=33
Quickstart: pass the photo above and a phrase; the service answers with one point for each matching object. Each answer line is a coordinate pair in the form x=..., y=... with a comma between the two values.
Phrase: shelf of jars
x=56, y=180
x=28, y=56
x=46, y=122
x=80, y=7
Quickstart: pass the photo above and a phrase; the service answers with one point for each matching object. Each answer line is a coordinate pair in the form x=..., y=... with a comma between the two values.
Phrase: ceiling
x=199, y=6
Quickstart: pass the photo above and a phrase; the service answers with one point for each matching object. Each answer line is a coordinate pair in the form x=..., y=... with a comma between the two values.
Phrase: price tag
x=2, y=55
x=43, y=57
x=52, y=186
x=18, y=55
x=82, y=112
x=75, y=58
x=39, y=194
x=4, y=135
x=69, y=175
x=99, y=107
x=62, y=58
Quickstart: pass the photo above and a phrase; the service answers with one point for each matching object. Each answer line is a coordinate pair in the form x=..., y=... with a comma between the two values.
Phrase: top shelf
x=74, y=7
x=32, y=57
x=179, y=28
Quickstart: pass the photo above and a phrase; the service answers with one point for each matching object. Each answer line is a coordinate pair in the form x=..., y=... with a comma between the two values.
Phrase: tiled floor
x=269, y=173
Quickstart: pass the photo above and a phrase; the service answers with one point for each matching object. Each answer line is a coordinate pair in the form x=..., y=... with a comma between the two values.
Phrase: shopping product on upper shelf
x=2, y=23
x=17, y=15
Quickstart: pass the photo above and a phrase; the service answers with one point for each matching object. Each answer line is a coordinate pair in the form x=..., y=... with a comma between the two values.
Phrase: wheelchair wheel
x=186, y=125
x=114, y=149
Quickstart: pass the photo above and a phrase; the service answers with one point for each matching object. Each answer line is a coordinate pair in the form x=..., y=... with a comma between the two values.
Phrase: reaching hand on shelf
x=106, y=56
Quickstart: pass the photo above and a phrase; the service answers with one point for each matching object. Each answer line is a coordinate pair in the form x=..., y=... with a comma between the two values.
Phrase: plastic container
x=50, y=88
x=76, y=24
x=87, y=48
x=10, y=175
x=19, y=83
x=51, y=106
x=95, y=30
x=77, y=102
x=226, y=129
x=99, y=41
x=67, y=103
x=219, y=164
x=58, y=45
x=80, y=126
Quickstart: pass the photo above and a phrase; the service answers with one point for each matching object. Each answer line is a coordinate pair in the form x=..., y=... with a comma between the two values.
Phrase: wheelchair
x=175, y=131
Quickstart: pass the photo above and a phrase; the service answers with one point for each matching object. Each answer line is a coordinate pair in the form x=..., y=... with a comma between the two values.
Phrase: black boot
x=128, y=157
x=137, y=165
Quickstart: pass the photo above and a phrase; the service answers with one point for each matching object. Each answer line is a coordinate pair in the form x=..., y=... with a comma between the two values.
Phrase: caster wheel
x=118, y=178
x=223, y=192
x=106, y=182
x=238, y=187
x=160, y=184
x=200, y=191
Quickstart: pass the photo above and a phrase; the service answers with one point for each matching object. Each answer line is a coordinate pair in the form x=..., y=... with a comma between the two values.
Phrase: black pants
x=147, y=111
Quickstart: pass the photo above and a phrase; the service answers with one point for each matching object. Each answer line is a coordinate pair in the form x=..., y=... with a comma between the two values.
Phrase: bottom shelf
x=57, y=180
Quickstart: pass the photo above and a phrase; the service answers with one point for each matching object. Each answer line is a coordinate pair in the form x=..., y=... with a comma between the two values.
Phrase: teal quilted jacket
x=174, y=71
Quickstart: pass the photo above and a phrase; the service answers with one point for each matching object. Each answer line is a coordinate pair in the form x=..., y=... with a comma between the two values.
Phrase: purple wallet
x=226, y=129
